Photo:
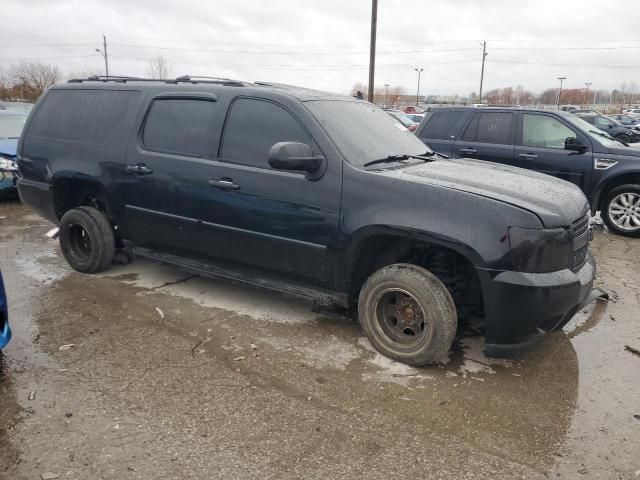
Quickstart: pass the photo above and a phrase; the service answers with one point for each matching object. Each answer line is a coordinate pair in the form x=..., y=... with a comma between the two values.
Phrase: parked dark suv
x=556, y=143
x=312, y=194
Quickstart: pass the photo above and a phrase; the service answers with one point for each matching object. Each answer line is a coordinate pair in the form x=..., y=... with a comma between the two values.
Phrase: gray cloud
x=324, y=44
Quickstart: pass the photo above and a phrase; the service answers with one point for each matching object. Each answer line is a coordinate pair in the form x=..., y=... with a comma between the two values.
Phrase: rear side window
x=440, y=124
x=87, y=116
x=253, y=127
x=179, y=126
x=490, y=127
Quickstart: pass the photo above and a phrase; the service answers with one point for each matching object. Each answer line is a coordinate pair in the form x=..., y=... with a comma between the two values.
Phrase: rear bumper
x=521, y=307
x=38, y=196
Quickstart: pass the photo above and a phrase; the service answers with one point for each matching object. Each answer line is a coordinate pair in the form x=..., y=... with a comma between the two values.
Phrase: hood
x=556, y=202
x=8, y=147
x=625, y=151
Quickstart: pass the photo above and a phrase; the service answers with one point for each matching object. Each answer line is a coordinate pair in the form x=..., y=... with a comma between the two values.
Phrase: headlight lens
x=8, y=165
x=539, y=250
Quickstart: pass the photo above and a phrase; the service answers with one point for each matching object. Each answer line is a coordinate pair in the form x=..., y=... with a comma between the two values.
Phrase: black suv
x=312, y=194
x=557, y=143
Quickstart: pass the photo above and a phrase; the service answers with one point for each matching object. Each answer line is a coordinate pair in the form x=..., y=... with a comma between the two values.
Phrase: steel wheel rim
x=624, y=211
x=80, y=241
x=400, y=317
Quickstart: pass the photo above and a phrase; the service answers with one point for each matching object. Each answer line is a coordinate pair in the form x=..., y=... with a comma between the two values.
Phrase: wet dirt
x=146, y=372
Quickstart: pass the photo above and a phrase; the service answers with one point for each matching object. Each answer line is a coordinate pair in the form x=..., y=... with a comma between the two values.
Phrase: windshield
x=598, y=135
x=11, y=125
x=363, y=133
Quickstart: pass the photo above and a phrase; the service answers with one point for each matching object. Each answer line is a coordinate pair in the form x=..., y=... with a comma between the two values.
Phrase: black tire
x=424, y=313
x=609, y=216
x=87, y=240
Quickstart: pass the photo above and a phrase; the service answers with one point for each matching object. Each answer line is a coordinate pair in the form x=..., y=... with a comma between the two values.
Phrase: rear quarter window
x=87, y=116
x=439, y=125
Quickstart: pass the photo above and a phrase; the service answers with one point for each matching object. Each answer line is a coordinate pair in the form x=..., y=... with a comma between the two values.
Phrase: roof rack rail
x=203, y=79
x=181, y=79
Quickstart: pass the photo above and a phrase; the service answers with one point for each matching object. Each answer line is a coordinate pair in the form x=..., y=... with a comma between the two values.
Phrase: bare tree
x=29, y=79
x=159, y=67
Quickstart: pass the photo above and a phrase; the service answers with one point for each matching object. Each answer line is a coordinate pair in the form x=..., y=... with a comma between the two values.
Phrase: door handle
x=468, y=150
x=224, y=184
x=139, y=169
x=528, y=156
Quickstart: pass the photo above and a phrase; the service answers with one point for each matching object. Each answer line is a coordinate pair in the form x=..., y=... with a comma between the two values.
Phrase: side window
x=440, y=124
x=544, y=131
x=490, y=127
x=603, y=122
x=253, y=127
x=179, y=126
x=82, y=115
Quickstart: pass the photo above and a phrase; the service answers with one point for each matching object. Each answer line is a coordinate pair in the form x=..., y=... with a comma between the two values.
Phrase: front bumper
x=521, y=307
x=8, y=184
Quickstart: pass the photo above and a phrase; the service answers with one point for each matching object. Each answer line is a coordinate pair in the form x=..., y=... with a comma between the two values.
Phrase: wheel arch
x=623, y=178
x=73, y=191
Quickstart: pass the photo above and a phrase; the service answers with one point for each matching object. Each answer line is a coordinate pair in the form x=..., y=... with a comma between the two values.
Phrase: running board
x=319, y=297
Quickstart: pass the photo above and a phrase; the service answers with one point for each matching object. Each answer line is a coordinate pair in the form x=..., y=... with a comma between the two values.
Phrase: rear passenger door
x=439, y=129
x=540, y=146
x=488, y=136
x=163, y=184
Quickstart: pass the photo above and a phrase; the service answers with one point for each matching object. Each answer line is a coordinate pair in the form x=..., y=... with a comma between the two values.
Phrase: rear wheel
x=621, y=210
x=86, y=239
x=408, y=314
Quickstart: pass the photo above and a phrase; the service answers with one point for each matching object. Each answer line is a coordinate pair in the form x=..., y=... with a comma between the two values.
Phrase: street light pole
x=104, y=54
x=372, y=48
x=484, y=55
x=586, y=94
x=386, y=95
x=562, y=79
x=419, y=70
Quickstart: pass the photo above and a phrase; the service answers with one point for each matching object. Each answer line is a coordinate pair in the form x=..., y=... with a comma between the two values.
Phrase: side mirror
x=573, y=144
x=296, y=156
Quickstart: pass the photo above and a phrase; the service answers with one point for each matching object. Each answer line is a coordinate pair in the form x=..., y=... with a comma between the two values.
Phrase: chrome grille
x=579, y=227
x=578, y=230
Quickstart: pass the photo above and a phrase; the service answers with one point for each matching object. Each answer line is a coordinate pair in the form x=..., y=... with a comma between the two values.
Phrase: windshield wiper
x=398, y=158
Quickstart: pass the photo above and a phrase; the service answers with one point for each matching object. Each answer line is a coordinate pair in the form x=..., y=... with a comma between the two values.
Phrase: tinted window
x=544, y=131
x=440, y=125
x=253, y=127
x=490, y=127
x=178, y=126
x=88, y=116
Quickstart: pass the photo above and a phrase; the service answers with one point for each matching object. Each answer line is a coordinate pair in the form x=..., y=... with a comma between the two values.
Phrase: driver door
x=540, y=144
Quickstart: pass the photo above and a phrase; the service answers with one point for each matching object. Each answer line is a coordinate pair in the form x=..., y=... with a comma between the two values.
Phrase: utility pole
x=372, y=52
x=419, y=70
x=484, y=55
x=562, y=79
x=586, y=94
x=104, y=54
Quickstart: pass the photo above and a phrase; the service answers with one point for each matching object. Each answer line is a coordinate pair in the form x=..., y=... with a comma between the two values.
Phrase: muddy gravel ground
x=146, y=372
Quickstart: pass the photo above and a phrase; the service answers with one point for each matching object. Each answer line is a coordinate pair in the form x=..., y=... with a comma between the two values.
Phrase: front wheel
x=621, y=210
x=87, y=240
x=408, y=314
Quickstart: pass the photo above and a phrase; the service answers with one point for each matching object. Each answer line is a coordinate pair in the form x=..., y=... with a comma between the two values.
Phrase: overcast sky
x=324, y=44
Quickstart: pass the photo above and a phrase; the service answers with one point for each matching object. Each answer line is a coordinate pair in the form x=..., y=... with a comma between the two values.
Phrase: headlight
x=8, y=165
x=539, y=251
